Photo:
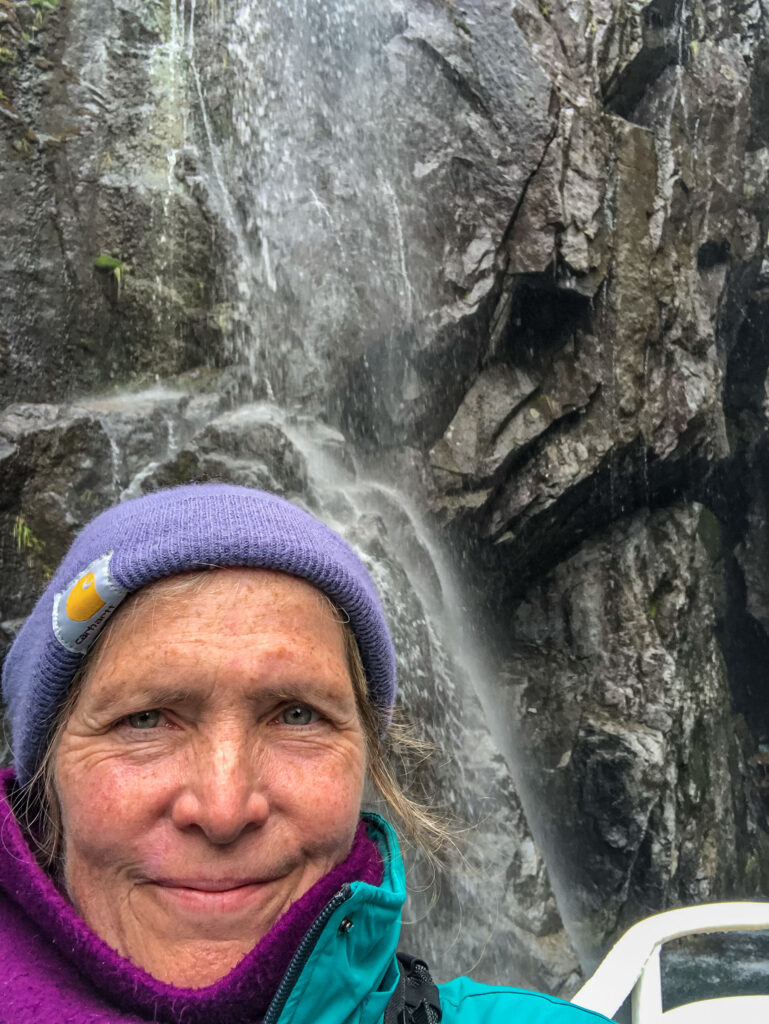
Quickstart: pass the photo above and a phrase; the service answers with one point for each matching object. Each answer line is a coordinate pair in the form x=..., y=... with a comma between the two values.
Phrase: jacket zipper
x=302, y=955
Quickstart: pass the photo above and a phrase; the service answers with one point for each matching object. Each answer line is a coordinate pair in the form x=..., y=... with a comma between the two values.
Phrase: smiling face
x=211, y=771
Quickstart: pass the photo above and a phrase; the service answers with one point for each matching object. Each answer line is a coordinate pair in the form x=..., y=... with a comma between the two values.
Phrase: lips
x=212, y=896
x=208, y=884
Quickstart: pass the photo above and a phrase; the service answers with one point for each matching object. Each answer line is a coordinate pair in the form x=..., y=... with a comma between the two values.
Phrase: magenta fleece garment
x=55, y=970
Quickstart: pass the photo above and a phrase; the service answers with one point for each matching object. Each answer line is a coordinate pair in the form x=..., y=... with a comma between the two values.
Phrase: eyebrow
x=147, y=697
x=302, y=691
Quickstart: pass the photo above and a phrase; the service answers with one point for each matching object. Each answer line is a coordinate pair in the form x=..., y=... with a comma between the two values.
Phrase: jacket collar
x=351, y=971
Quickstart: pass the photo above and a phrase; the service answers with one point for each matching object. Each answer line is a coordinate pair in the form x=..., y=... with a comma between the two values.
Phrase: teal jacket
x=345, y=970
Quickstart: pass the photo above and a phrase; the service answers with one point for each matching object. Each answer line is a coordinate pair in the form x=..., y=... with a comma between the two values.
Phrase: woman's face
x=211, y=771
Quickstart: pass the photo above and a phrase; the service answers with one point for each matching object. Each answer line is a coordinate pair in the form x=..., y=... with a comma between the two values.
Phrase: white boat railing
x=633, y=963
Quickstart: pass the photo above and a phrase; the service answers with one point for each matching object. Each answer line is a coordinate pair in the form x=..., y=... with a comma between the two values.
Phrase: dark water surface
x=710, y=966
x=705, y=967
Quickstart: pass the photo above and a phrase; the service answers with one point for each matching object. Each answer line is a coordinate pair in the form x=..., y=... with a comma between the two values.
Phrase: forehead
x=240, y=611
x=273, y=585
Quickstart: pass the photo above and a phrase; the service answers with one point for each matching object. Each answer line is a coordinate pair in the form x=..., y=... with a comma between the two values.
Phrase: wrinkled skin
x=211, y=771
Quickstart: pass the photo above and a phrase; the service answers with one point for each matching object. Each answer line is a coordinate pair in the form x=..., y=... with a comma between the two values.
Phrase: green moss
x=546, y=405
x=8, y=55
x=104, y=262
x=111, y=264
x=32, y=547
x=43, y=10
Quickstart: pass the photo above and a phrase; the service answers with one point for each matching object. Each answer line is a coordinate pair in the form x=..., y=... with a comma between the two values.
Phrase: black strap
x=415, y=999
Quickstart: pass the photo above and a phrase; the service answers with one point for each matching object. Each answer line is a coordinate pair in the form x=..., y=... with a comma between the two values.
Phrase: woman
x=195, y=704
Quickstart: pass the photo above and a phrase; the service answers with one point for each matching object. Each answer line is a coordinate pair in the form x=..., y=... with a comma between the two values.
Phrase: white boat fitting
x=632, y=965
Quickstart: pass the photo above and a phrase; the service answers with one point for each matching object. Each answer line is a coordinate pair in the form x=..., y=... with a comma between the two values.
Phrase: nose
x=224, y=793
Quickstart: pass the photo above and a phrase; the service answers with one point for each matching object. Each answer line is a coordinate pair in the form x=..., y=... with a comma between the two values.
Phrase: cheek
x=107, y=807
x=325, y=803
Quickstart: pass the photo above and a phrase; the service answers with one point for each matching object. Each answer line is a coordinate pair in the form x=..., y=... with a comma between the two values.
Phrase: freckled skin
x=189, y=829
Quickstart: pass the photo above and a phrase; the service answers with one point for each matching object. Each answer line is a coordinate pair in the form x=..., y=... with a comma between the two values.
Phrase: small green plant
x=111, y=264
x=24, y=538
x=104, y=262
x=32, y=548
x=43, y=9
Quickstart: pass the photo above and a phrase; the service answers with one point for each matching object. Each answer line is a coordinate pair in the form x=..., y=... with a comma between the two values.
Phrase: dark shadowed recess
x=742, y=501
x=667, y=29
x=543, y=318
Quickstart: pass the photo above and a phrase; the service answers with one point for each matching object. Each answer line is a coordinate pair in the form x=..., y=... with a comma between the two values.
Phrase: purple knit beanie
x=160, y=535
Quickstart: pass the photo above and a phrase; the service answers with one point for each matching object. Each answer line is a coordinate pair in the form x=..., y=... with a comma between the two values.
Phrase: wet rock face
x=61, y=465
x=616, y=266
x=56, y=470
x=622, y=700
x=366, y=241
x=623, y=231
x=624, y=369
x=108, y=263
x=241, y=447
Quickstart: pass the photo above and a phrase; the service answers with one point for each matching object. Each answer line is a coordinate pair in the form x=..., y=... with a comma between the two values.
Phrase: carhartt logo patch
x=84, y=599
x=80, y=611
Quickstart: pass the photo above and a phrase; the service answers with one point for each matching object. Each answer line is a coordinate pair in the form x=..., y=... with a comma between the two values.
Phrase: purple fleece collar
x=241, y=996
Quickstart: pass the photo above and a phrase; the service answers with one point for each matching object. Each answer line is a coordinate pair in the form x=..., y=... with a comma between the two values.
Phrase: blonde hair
x=37, y=808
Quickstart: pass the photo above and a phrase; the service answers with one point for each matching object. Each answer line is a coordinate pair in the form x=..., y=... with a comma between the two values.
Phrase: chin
x=198, y=964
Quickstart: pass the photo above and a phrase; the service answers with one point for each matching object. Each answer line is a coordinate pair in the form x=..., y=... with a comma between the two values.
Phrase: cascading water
x=280, y=90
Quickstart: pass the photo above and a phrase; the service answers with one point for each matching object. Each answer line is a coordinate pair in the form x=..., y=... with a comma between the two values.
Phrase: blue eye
x=299, y=714
x=144, y=719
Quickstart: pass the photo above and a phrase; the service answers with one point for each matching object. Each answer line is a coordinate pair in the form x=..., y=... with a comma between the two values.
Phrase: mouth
x=208, y=884
x=212, y=896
